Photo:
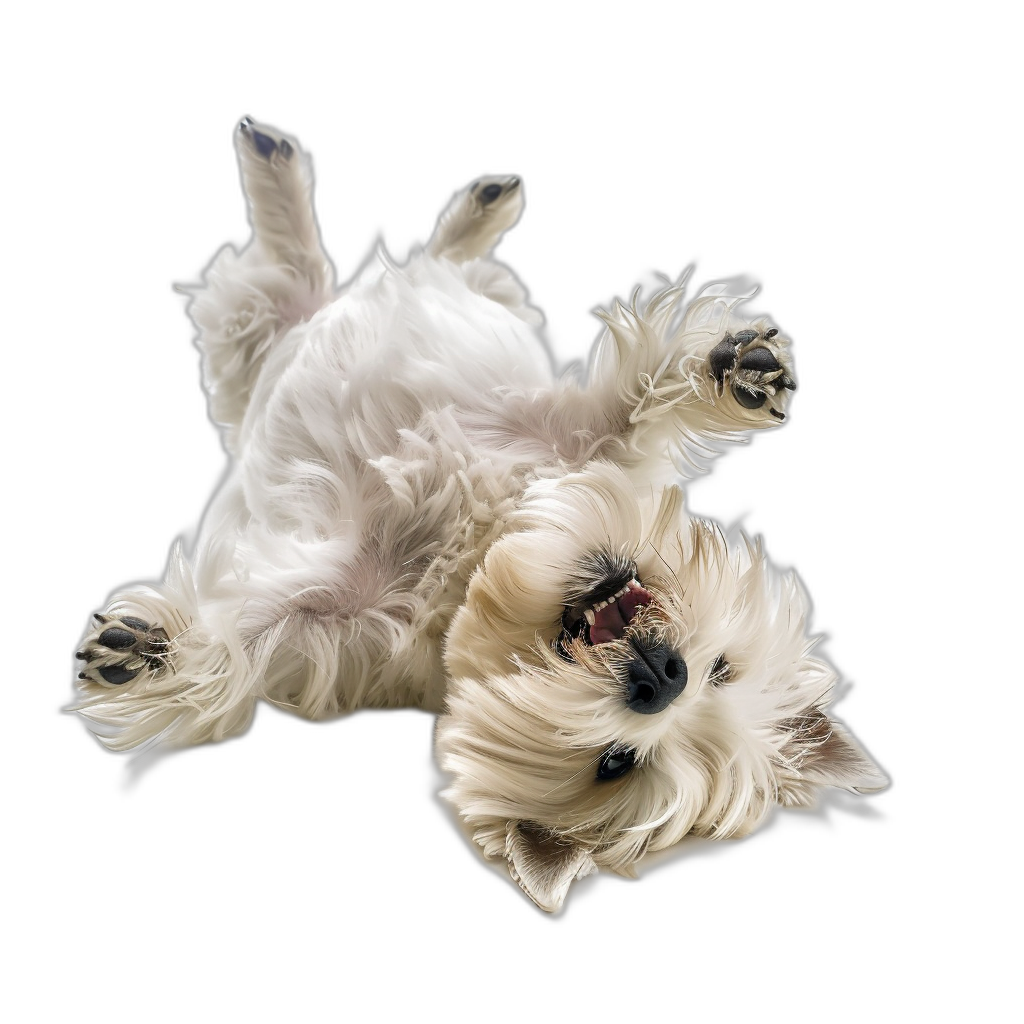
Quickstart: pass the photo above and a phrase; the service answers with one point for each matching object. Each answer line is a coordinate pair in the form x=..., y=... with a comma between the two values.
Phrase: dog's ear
x=544, y=864
x=821, y=752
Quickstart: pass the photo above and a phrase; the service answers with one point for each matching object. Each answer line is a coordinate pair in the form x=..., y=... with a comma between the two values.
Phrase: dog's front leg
x=675, y=378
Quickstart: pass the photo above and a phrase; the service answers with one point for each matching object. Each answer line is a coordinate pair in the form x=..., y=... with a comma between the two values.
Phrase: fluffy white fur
x=418, y=502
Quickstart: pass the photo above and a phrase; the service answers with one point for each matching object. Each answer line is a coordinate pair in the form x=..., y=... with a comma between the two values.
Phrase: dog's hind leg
x=468, y=230
x=177, y=661
x=249, y=299
x=476, y=218
x=316, y=625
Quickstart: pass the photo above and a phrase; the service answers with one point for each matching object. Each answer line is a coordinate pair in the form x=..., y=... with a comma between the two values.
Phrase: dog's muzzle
x=655, y=677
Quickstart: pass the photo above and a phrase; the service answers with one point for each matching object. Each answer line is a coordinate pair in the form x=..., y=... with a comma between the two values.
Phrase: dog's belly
x=399, y=346
x=356, y=461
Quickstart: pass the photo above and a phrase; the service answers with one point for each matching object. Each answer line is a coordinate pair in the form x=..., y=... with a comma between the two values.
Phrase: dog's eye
x=615, y=763
x=721, y=671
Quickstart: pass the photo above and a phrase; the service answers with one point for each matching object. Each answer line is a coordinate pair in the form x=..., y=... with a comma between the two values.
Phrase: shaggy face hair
x=554, y=767
x=421, y=513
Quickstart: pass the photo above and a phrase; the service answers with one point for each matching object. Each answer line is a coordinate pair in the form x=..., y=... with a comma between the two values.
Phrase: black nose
x=656, y=676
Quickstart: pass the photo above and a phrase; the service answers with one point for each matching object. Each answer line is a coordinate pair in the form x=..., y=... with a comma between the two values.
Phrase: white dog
x=421, y=513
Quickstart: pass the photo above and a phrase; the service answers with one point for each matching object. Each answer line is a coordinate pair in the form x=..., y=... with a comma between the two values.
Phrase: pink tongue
x=611, y=621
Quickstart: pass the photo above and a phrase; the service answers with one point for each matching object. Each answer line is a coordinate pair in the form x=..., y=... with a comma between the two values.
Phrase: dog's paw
x=120, y=647
x=495, y=192
x=494, y=205
x=477, y=217
x=263, y=141
x=752, y=367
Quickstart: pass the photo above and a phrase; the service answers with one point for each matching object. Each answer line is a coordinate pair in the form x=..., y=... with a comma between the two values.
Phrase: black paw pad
x=118, y=675
x=749, y=368
x=265, y=145
x=759, y=359
x=489, y=193
x=722, y=358
x=117, y=639
x=123, y=647
x=749, y=399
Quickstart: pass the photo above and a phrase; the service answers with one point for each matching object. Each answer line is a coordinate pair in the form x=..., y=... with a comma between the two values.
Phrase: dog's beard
x=559, y=761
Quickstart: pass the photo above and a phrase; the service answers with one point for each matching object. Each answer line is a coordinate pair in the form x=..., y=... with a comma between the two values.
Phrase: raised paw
x=751, y=367
x=120, y=647
x=488, y=191
x=264, y=141
x=477, y=217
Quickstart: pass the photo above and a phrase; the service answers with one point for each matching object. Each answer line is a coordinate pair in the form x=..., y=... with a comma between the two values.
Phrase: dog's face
x=620, y=679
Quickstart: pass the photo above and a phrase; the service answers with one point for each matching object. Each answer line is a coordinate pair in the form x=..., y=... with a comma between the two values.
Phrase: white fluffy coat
x=413, y=494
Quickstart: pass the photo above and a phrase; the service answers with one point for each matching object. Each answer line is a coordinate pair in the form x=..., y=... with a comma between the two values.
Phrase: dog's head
x=621, y=678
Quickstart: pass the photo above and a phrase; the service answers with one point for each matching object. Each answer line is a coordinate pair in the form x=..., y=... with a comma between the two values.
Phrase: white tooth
x=590, y=616
x=633, y=583
x=623, y=591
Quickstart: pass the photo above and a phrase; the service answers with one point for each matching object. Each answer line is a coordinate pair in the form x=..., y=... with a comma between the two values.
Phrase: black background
x=338, y=821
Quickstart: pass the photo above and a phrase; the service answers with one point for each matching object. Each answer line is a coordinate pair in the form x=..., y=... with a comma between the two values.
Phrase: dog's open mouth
x=602, y=620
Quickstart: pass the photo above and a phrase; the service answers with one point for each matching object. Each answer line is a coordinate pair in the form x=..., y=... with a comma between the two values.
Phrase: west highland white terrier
x=422, y=513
